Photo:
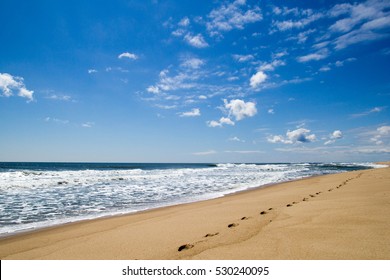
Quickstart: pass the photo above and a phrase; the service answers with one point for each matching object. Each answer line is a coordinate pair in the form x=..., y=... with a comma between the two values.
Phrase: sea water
x=36, y=195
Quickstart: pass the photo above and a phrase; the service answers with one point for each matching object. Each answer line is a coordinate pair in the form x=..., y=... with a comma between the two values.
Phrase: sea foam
x=35, y=195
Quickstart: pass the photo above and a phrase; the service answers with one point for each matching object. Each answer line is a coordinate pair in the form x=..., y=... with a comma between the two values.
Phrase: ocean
x=37, y=195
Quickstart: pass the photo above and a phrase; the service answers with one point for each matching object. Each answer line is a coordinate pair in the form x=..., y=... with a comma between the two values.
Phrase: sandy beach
x=340, y=216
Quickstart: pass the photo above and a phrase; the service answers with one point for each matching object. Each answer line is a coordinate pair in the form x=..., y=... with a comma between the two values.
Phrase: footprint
x=232, y=225
x=295, y=202
x=330, y=190
x=244, y=218
x=289, y=205
x=263, y=212
x=312, y=195
x=211, y=234
x=269, y=209
x=185, y=247
x=305, y=199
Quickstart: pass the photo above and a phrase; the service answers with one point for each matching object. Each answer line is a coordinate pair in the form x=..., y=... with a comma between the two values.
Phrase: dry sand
x=341, y=216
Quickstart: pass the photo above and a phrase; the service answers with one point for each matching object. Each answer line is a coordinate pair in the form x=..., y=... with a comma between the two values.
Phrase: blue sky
x=195, y=81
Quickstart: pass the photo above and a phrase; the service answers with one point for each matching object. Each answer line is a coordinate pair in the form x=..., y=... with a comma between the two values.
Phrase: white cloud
x=340, y=9
x=325, y=68
x=322, y=54
x=23, y=92
x=280, y=54
x=369, y=112
x=210, y=152
x=60, y=97
x=233, y=78
x=276, y=10
x=360, y=22
x=257, y=79
x=193, y=113
x=270, y=66
x=357, y=36
x=181, y=27
x=232, y=16
x=224, y=120
x=271, y=111
x=384, y=130
x=187, y=82
x=337, y=134
x=322, y=45
x=236, y=139
x=289, y=24
x=184, y=22
x=119, y=69
x=128, y=55
x=300, y=135
x=178, y=32
x=376, y=24
x=171, y=97
x=91, y=71
x=88, y=124
x=214, y=124
x=301, y=18
x=182, y=80
x=194, y=63
x=153, y=89
x=343, y=25
x=329, y=142
x=260, y=76
x=302, y=36
x=10, y=84
x=55, y=120
x=356, y=14
x=221, y=122
x=196, y=41
x=276, y=139
x=166, y=107
x=243, y=58
x=380, y=135
x=338, y=63
x=240, y=109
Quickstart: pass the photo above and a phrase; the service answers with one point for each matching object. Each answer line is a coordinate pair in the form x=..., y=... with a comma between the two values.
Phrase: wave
x=35, y=196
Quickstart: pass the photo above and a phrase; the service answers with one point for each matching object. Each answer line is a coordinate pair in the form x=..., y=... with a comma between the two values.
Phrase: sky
x=195, y=81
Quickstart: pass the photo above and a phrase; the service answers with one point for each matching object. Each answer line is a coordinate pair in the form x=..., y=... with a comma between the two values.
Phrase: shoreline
x=210, y=229
x=132, y=212
x=135, y=212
